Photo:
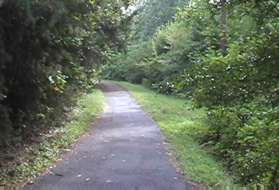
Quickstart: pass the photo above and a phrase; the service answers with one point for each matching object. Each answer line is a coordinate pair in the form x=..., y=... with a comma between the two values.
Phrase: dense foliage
x=224, y=55
x=49, y=51
x=152, y=15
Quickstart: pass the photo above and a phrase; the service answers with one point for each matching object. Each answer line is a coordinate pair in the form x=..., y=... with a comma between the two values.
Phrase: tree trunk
x=224, y=30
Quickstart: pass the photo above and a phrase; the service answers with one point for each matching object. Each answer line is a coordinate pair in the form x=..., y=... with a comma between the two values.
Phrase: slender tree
x=223, y=24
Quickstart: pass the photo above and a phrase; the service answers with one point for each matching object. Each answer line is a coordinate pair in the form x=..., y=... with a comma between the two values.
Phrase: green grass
x=183, y=125
x=40, y=157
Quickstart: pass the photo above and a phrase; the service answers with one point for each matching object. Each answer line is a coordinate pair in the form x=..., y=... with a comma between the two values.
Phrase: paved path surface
x=124, y=152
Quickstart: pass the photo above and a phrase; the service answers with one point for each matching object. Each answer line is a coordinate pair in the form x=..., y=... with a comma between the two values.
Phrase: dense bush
x=49, y=50
x=246, y=137
x=128, y=67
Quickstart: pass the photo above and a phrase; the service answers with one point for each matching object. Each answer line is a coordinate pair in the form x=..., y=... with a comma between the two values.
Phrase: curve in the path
x=124, y=152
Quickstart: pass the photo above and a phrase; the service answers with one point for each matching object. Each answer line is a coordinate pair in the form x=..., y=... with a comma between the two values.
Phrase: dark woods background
x=49, y=52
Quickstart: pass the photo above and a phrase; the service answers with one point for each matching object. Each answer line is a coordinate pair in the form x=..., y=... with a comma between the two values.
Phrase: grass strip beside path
x=183, y=125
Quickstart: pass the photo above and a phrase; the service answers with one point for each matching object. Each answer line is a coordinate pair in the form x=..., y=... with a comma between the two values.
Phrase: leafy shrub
x=114, y=71
x=163, y=87
x=246, y=137
x=132, y=73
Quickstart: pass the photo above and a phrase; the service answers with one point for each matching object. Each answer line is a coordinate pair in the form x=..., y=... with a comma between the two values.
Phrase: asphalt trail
x=125, y=151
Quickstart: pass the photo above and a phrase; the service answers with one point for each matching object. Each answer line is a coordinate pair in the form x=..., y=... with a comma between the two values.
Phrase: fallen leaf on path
x=30, y=182
x=87, y=179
